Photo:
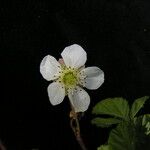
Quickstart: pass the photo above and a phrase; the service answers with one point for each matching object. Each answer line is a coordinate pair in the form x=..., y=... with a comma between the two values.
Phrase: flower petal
x=94, y=77
x=79, y=99
x=56, y=93
x=49, y=68
x=74, y=56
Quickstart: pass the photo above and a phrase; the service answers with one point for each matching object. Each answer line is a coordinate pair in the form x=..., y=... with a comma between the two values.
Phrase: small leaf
x=142, y=120
x=103, y=147
x=105, y=122
x=137, y=105
x=122, y=138
x=142, y=132
x=145, y=119
x=117, y=107
x=146, y=123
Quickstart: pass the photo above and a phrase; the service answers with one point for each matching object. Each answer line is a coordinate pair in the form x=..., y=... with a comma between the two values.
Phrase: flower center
x=69, y=79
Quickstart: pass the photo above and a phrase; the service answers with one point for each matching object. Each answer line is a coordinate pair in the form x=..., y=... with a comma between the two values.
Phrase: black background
x=116, y=37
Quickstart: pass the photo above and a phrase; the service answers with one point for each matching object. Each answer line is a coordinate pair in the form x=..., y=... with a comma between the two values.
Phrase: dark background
x=116, y=37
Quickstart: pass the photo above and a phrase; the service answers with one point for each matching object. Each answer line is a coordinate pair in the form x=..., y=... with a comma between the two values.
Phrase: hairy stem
x=75, y=126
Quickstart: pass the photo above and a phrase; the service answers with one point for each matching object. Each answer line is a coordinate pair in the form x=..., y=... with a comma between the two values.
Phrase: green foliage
x=146, y=123
x=117, y=107
x=137, y=105
x=145, y=119
x=121, y=139
x=104, y=147
x=105, y=122
x=131, y=131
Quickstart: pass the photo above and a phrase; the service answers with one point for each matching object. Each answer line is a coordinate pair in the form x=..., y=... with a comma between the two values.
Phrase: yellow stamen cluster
x=69, y=77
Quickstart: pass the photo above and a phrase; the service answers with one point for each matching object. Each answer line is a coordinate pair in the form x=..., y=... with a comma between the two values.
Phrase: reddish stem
x=74, y=123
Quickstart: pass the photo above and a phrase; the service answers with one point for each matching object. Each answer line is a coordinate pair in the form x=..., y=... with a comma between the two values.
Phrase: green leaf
x=145, y=119
x=146, y=123
x=137, y=105
x=105, y=122
x=142, y=120
x=117, y=107
x=103, y=147
x=142, y=128
x=122, y=138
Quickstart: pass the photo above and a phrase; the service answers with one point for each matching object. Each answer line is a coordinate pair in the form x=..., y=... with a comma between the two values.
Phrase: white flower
x=69, y=77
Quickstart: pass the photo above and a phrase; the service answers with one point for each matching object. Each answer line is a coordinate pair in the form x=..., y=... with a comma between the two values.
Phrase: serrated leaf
x=145, y=119
x=117, y=107
x=142, y=120
x=146, y=123
x=142, y=132
x=122, y=138
x=103, y=147
x=137, y=105
x=105, y=122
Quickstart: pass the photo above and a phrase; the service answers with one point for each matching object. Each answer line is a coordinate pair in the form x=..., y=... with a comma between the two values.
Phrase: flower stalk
x=75, y=126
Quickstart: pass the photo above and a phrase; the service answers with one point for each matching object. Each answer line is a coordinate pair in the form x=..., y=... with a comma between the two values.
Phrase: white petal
x=79, y=99
x=49, y=68
x=56, y=93
x=94, y=77
x=74, y=56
